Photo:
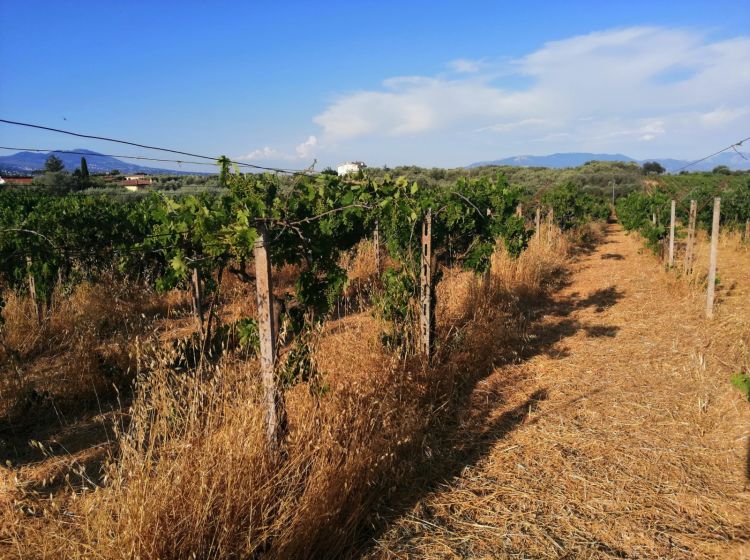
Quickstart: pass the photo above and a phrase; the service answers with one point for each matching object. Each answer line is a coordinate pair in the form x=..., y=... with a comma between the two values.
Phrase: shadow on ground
x=75, y=449
x=468, y=431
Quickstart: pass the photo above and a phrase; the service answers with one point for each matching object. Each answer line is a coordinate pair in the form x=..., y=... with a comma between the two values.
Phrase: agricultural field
x=490, y=364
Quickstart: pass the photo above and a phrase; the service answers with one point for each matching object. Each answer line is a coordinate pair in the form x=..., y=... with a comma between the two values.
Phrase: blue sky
x=428, y=83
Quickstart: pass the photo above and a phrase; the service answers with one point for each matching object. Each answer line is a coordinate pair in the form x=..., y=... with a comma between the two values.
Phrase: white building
x=142, y=178
x=350, y=167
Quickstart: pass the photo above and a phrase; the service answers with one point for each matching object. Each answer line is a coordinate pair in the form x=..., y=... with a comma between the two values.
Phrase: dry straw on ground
x=627, y=440
x=589, y=424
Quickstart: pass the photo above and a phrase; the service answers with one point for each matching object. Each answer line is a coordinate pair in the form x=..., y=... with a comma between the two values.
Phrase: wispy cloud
x=302, y=151
x=618, y=87
x=466, y=65
x=306, y=148
x=517, y=125
x=264, y=153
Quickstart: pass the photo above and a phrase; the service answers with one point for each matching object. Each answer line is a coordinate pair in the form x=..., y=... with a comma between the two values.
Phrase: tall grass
x=80, y=351
x=192, y=477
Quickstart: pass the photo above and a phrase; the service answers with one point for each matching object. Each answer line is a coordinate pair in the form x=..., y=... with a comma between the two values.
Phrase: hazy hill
x=24, y=163
x=732, y=160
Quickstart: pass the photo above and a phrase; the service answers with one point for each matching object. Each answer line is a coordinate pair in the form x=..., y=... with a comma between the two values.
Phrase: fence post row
x=690, y=247
x=266, y=332
x=671, y=233
x=713, y=258
x=425, y=304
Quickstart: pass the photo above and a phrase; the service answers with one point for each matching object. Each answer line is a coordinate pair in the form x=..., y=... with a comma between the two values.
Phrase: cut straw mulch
x=626, y=439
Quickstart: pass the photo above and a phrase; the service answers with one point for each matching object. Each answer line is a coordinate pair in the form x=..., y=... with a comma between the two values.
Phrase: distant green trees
x=636, y=210
x=57, y=180
x=572, y=206
x=53, y=164
x=595, y=178
x=653, y=167
x=736, y=204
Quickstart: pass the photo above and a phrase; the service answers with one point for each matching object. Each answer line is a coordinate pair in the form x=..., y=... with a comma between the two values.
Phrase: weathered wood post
x=425, y=303
x=672, y=212
x=690, y=247
x=266, y=331
x=376, y=246
x=653, y=218
x=550, y=221
x=747, y=229
x=712, y=259
x=32, y=292
x=196, y=294
x=537, y=221
x=519, y=210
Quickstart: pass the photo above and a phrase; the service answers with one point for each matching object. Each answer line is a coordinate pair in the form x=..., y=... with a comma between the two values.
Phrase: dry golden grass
x=596, y=423
x=626, y=440
x=82, y=348
x=191, y=477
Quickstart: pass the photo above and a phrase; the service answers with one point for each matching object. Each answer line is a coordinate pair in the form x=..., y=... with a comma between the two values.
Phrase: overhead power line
x=148, y=147
x=730, y=147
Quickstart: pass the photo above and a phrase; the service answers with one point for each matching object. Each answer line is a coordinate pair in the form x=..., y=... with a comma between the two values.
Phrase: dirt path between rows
x=635, y=446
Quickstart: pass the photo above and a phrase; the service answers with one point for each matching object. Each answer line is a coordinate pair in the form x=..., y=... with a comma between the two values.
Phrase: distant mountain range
x=732, y=160
x=24, y=163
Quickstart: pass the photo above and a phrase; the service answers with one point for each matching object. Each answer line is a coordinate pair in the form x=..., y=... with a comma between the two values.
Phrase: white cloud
x=466, y=65
x=411, y=105
x=306, y=148
x=262, y=154
x=303, y=151
x=522, y=124
x=722, y=116
x=611, y=89
x=648, y=130
x=553, y=136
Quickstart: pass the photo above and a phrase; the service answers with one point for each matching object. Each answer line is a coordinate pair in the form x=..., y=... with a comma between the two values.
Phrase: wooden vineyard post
x=376, y=246
x=747, y=230
x=653, y=218
x=712, y=260
x=538, y=220
x=519, y=210
x=32, y=292
x=266, y=333
x=550, y=221
x=197, y=299
x=671, y=233
x=425, y=282
x=690, y=247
